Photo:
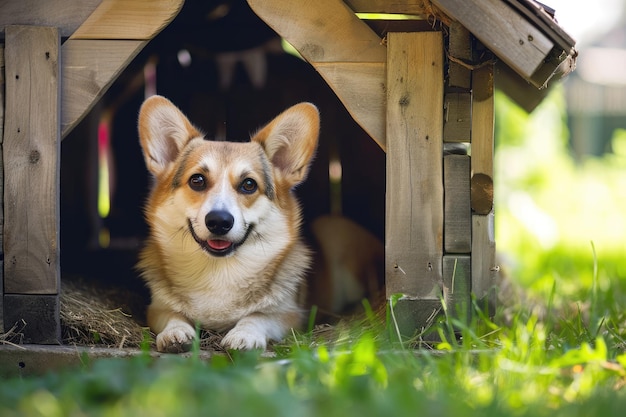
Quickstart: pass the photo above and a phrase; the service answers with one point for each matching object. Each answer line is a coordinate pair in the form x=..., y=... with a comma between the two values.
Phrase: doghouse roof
x=529, y=45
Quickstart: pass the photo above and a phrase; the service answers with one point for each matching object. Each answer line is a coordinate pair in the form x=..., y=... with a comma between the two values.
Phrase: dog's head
x=224, y=194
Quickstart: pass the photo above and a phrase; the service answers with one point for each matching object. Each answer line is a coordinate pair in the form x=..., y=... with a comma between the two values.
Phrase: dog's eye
x=248, y=186
x=197, y=182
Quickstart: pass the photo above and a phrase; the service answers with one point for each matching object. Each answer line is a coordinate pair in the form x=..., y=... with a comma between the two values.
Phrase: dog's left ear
x=290, y=140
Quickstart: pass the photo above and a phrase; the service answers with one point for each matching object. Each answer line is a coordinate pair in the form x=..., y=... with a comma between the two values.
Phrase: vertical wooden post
x=414, y=203
x=484, y=267
x=456, y=176
x=1, y=188
x=31, y=148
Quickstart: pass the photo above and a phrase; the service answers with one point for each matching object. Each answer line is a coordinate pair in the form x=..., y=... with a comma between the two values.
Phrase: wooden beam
x=510, y=36
x=347, y=53
x=411, y=7
x=414, y=205
x=1, y=186
x=89, y=69
x=483, y=112
x=31, y=149
x=67, y=15
x=361, y=89
x=128, y=19
x=484, y=267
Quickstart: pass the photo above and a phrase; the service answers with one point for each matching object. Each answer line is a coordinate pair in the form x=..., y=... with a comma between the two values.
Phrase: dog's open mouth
x=218, y=247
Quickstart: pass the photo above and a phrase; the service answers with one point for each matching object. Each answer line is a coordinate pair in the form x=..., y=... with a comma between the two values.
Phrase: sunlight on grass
x=550, y=208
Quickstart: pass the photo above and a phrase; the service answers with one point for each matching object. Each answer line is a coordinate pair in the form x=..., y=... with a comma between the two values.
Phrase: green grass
x=565, y=249
x=531, y=367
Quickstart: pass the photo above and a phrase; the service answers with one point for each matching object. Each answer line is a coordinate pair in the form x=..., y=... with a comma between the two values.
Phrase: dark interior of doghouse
x=104, y=181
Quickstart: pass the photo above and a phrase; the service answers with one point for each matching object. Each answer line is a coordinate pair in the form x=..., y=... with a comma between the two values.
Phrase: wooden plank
x=459, y=53
x=322, y=30
x=361, y=89
x=510, y=36
x=457, y=274
x=39, y=313
x=457, y=215
x=413, y=317
x=89, y=69
x=414, y=205
x=1, y=185
x=485, y=268
x=330, y=37
x=412, y=7
x=458, y=117
x=483, y=112
x=128, y=19
x=31, y=150
x=67, y=15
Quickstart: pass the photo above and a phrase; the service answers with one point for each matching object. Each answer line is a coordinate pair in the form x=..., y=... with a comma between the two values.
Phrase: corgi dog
x=224, y=249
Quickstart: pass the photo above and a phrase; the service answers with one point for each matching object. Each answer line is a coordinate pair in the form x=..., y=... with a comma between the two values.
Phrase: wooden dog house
x=418, y=87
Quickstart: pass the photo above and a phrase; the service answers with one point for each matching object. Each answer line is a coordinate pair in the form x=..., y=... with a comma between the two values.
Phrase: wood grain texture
x=361, y=89
x=31, y=157
x=510, y=36
x=483, y=113
x=347, y=53
x=414, y=204
x=1, y=185
x=459, y=50
x=67, y=15
x=128, y=19
x=457, y=215
x=412, y=7
x=458, y=117
x=322, y=30
x=39, y=313
x=89, y=68
x=484, y=265
x=457, y=274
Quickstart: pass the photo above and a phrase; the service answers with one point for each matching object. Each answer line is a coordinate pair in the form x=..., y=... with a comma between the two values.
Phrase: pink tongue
x=219, y=244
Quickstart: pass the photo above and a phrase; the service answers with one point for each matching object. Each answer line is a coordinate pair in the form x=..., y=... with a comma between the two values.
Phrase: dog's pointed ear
x=290, y=140
x=163, y=131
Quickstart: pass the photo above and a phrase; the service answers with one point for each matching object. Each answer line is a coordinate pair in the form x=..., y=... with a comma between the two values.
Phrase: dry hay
x=95, y=316
x=101, y=317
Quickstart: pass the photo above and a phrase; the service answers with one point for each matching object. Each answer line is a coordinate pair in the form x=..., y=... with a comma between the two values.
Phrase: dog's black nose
x=219, y=222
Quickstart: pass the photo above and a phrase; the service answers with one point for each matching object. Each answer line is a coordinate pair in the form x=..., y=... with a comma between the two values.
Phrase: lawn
x=555, y=348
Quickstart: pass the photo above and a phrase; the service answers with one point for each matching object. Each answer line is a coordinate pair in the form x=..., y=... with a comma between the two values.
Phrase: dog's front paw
x=175, y=338
x=245, y=336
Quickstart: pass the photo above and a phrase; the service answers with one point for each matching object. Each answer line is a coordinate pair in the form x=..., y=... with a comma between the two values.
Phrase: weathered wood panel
x=332, y=39
x=458, y=117
x=457, y=275
x=31, y=158
x=459, y=53
x=1, y=185
x=457, y=211
x=361, y=89
x=39, y=313
x=414, y=204
x=483, y=112
x=89, y=68
x=412, y=7
x=510, y=36
x=128, y=19
x=485, y=268
x=67, y=15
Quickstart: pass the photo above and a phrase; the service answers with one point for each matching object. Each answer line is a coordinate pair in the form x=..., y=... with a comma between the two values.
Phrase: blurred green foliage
x=551, y=209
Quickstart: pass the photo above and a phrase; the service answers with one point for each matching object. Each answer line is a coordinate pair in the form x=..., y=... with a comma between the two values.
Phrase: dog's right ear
x=163, y=131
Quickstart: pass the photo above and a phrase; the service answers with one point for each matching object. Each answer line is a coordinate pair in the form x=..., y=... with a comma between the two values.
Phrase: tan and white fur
x=224, y=249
